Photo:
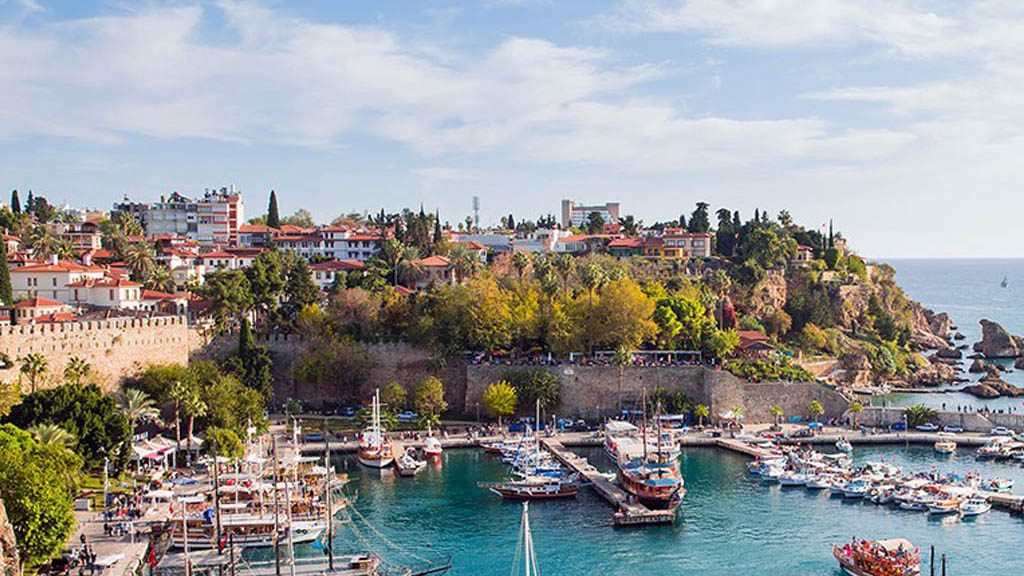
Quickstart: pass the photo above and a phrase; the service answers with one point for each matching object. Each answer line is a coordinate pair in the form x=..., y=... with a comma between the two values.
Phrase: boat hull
x=376, y=461
x=517, y=493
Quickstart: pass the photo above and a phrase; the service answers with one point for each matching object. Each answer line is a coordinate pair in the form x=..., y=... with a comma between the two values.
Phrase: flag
x=223, y=541
x=152, y=557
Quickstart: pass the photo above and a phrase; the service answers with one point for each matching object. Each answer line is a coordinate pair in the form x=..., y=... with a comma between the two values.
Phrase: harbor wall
x=116, y=347
x=594, y=392
x=969, y=421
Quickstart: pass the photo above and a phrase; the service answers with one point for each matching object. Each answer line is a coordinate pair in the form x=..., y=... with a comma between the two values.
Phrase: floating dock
x=398, y=450
x=628, y=513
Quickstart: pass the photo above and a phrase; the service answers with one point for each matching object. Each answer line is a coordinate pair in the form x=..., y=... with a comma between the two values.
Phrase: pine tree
x=830, y=237
x=757, y=216
x=6, y=292
x=15, y=202
x=511, y=222
x=30, y=203
x=273, y=216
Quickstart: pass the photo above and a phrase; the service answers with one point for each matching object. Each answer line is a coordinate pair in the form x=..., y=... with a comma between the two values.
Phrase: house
x=324, y=273
x=155, y=301
x=13, y=243
x=230, y=258
x=41, y=310
x=678, y=243
x=437, y=270
x=51, y=279
x=753, y=345
x=115, y=293
x=6, y=313
x=84, y=236
x=626, y=247
x=804, y=254
x=255, y=235
x=582, y=243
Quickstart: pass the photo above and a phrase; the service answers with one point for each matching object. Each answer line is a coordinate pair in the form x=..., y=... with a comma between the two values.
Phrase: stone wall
x=116, y=348
x=969, y=421
x=594, y=391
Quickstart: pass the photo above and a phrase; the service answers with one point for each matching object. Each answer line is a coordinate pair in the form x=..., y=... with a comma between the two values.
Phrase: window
x=111, y=294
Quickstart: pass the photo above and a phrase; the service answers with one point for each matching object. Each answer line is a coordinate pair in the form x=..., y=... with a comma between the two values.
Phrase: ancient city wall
x=969, y=421
x=116, y=348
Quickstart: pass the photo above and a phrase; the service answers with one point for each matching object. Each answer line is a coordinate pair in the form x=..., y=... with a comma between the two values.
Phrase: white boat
x=432, y=447
x=837, y=487
x=998, y=485
x=374, y=446
x=792, y=479
x=616, y=434
x=247, y=530
x=975, y=506
x=945, y=444
x=843, y=445
x=944, y=506
x=819, y=482
x=855, y=489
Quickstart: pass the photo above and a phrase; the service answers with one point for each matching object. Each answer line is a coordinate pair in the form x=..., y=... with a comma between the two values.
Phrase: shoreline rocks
x=993, y=388
x=997, y=342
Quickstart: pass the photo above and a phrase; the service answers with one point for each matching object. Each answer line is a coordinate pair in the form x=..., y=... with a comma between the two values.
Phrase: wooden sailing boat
x=654, y=479
x=531, y=484
x=374, y=446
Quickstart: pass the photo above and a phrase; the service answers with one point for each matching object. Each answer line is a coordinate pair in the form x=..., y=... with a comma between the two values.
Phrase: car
x=899, y=426
x=313, y=437
x=346, y=411
x=929, y=427
x=953, y=429
x=407, y=415
x=1001, y=431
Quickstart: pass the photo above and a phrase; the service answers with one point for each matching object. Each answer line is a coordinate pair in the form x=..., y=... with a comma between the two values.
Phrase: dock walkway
x=628, y=513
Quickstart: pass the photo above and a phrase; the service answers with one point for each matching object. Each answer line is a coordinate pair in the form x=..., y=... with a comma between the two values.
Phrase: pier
x=398, y=451
x=628, y=513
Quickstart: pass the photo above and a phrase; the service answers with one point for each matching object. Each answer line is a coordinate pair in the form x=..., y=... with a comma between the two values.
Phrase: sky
x=901, y=120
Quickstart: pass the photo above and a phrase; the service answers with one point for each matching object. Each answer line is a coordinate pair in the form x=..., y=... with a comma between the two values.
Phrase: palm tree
x=464, y=261
x=195, y=408
x=856, y=408
x=593, y=277
x=136, y=404
x=140, y=259
x=34, y=367
x=777, y=413
x=816, y=409
x=737, y=412
x=52, y=435
x=521, y=261
x=391, y=253
x=76, y=370
x=565, y=265
x=43, y=241
x=701, y=412
x=409, y=265
x=160, y=279
x=177, y=392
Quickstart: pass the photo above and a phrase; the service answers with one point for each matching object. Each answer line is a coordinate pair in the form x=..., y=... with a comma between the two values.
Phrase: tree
x=565, y=266
x=160, y=279
x=521, y=261
x=266, y=281
x=76, y=370
x=140, y=260
x=777, y=413
x=856, y=408
x=15, y=202
x=919, y=414
x=301, y=218
x=816, y=409
x=94, y=419
x=52, y=435
x=595, y=223
x=501, y=399
x=194, y=407
x=273, y=216
x=630, y=226
x=177, y=393
x=535, y=385
x=6, y=292
x=701, y=412
x=831, y=256
x=37, y=493
x=224, y=442
x=393, y=395
x=699, y=221
x=34, y=366
x=136, y=405
x=228, y=290
x=429, y=399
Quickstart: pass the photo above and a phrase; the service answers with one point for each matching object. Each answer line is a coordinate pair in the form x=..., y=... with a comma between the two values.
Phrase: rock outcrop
x=938, y=323
x=977, y=367
x=9, y=560
x=949, y=353
x=1019, y=363
x=959, y=336
x=937, y=373
x=996, y=342
x=993, y=388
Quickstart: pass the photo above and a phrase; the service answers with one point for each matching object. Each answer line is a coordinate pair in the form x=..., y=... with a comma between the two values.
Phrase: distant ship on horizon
x=1005, y=282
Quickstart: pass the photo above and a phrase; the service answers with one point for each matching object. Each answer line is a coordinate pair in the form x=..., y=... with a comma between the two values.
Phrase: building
x=41, y=310
x=577, y=214
x=114, y=293
x=155, y=301
x=220, y=215
x=213, y=219
x=753, y=345
x=85, y=236
x=436, y=271
x=804, y=254
x=325, y=273
x=230, y=258
x=12, y=242
x=137, y=210
x=51, y=279
x=582, y=243
x=174, y=215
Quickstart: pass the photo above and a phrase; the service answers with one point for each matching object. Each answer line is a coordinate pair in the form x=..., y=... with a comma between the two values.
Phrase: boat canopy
x=619, y=426
x=895, y=544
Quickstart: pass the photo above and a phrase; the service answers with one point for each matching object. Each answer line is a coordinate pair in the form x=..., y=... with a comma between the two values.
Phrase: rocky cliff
x=9, y=561
x=997, y=342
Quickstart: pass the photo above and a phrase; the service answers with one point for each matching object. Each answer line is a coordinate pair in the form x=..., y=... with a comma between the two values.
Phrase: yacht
x=843, y=445
x=855, y=489
x=374, y=446
x=975, y=506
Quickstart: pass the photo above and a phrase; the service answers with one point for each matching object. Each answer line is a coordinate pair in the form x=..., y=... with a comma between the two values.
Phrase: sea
x=969, y=291
x=730, y=524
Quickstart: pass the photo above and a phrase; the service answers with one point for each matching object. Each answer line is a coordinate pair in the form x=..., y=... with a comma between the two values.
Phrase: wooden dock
x=398, y=450
x=627, y=513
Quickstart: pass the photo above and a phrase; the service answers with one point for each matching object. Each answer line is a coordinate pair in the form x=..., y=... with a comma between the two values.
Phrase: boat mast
x=658, y=416
x=328, y=473
x=184, y=535
x=528, y=559
x=216, y=496
x=643, y=421
x=277, y=521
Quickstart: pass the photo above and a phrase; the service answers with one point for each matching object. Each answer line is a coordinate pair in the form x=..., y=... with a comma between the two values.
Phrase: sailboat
x=524, y=547
x=374, y=446
x=431, y=446
x=529, y=480
x=1005, y=282
x=652, y=478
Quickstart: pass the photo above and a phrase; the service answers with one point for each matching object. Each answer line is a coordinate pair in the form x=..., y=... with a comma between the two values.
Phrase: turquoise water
x=967, y=290
x=729, y=525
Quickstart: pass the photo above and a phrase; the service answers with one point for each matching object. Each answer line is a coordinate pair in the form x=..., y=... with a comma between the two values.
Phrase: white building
x=106, y=293
x=51, y=280
x=324, y=273
x=214, y=219
x=577, y=214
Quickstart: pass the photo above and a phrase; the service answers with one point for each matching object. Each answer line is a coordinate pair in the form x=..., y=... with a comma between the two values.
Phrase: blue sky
x=900, y=119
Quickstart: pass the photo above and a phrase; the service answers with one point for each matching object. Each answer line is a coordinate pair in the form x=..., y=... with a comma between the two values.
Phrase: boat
x=896, y=557
x=943, y=506
x=410, y=465
x=618, y=433
x=855, y=489
x=652, y=478
x=843, y=445
x=244, y=529
x=998, y=485
x=993, y=448
x=820, y=482
x=945, y=445
x=975, y=506
x=532, y=477
x=431, y=446
x=374, y=446
x=1005, y=282
x=792, y=479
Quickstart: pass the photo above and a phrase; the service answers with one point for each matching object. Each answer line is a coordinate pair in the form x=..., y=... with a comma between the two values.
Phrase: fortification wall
x=969, y=421
x=116, y=348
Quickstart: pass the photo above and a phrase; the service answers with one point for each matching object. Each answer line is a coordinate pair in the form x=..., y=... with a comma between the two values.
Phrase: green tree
x=15, y=202
x=699, y=221
x=34, y=366
x=831, y=257
x=501, y=399
x=160, y=279
x=534, y=385
x=816, y=409
x=77, y=370
x=6, y=292
x=856, y=408
x=429, y=399
x=920, y=414
x=273, y=216
x=94, y=419
x=136, y=405
x=777, y=413
x=266, y=282
x=595, y=223
x=140, y=260
x=393, y=395
x=177, y=393
x=195, y=407
x=701, y=412
x=301, y=218
x=52, y=435
x=228, y=290
x=35, y=489
x=224, y=442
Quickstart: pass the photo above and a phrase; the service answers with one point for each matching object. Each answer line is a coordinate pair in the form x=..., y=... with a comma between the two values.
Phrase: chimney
x=53, y=259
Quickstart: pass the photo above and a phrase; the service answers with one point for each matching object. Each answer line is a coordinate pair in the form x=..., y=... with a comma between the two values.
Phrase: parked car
x=952, y=428
x=313, y=437
x=407, y=415
x=346, y=411
x=1001, y=431
x=899, y=426
x=929, y=427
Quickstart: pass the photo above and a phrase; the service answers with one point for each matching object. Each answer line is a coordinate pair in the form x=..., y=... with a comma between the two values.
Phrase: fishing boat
x=896, y=557
x=819, y=482
x=652, y=478
x=975, y=506
x=998, y=485
x=942, y=506
x=374, y=446
x=792, y=479
x=432, y=447
x=945, y=444
x=993, y=448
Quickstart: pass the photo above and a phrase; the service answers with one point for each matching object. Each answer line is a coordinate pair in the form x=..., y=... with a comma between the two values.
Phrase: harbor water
x=729, y=524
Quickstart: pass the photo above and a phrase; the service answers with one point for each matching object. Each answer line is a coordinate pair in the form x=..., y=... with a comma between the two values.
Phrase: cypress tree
x=511, y=222
x=245, y=341
x=273, y=216
x=15, y=202
x=830, y=243
x=30, y=203
x=437, y=227
x=682, y=221
x=757, y=216
x=6, y=292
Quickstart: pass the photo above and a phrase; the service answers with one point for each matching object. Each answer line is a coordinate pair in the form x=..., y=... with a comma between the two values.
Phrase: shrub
x=758, y=370
x=533, y=384
x=812, y=337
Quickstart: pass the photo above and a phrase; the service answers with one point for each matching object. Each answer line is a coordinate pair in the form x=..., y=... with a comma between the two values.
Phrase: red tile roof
x=104, y=283
x=257, y=229
x=626, y=243
x=404, y=291
x=61, y=266
x=157, y=295
x=54, y=318
x=39, y=303
x=435, y=261
x=338, y=265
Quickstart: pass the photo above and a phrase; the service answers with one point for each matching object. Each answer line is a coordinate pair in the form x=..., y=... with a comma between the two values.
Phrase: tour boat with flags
x=651, y=477
x=374, y=446
x=896, y=557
